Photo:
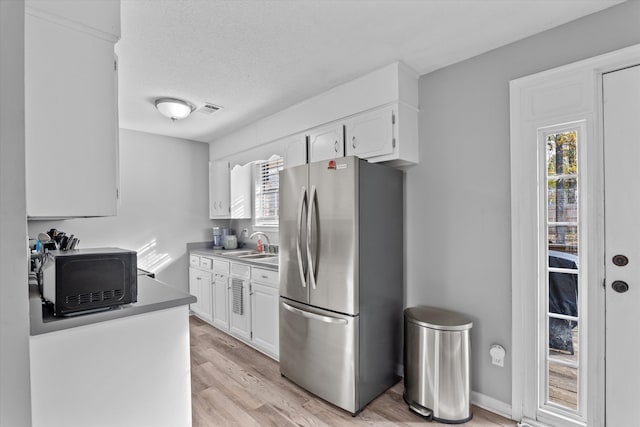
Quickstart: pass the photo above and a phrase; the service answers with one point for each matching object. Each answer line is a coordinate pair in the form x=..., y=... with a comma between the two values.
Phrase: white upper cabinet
x=71, y=117
x=326, y=142
x=366, y=106
x=295, y=150
x=219, y=188
x=371, y=134
x=241, y=191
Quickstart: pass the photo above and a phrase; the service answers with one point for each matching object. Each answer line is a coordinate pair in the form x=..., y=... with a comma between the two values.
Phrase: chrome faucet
x=260, y=233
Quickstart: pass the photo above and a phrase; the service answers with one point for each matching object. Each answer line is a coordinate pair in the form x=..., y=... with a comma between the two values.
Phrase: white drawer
x=194, y=261
x=221, y=267
x=263, y=275
x=240, y=270
x=206, y=263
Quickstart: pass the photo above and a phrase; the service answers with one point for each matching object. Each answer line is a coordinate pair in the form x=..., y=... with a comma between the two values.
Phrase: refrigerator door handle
x=301, y=267
x=325, y=319
x=312, y=269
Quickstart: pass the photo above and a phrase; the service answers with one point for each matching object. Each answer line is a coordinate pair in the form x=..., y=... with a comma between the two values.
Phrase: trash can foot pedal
x=419, y=409
x=423, y=412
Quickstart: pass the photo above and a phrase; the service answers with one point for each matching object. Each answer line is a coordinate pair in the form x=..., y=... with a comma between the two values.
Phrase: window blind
x=266, y=191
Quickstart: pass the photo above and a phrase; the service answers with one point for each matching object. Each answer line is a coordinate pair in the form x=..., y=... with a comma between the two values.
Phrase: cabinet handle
x=353, y=142
x=335, y=146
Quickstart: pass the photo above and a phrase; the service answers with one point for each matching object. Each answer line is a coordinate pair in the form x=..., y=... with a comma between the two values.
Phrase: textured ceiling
x=257, y=57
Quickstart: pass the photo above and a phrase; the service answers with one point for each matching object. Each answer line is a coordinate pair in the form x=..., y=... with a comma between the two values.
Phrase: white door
x=326, y=142
x=221, y=301
x=371, y=134
x=241, y=191
x=219, y=189
x=295, y=151
x=264, y=317
x=621, y=96
x=240, y=308
x=195, y=288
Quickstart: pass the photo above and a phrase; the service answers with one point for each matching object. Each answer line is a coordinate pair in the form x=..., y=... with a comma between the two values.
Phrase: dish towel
x=236, y=290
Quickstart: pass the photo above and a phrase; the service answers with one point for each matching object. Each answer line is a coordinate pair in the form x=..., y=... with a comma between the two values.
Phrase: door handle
x=312, y=268
x=620, y=286
x=309, y=315
x=620, y=260
x=301, y=268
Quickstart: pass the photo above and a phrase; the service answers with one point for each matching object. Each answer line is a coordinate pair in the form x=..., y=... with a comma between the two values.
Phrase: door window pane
x=563, y=385
x=563, y=238
x=562, y=200
x=562, y=153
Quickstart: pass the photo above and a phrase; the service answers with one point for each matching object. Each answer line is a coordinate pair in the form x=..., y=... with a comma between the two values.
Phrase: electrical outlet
x=497, y=354
x=245, y=232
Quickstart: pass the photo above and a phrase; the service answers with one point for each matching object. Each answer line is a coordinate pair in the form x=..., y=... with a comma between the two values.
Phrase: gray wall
x=164, y=204
x=15, y=401
x=458, y=197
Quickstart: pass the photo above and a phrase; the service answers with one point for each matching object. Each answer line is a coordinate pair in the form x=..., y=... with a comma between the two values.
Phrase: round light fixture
x=174, y=109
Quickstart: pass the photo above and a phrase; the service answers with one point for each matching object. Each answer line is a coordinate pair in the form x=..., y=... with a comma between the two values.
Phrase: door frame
x=566, y=94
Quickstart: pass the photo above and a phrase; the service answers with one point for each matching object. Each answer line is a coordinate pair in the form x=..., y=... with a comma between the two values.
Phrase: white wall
x=458, y=197
x=457, y=214
x=164, y=203
x=15, y=400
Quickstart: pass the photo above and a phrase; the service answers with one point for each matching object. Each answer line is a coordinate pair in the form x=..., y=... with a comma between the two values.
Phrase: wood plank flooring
x=235, y=385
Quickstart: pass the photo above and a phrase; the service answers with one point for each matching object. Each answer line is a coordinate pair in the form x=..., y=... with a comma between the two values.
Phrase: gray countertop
x=271, y=264
x=153, y=295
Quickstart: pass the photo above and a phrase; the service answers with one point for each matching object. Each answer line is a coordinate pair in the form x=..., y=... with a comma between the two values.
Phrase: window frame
x=262, y=178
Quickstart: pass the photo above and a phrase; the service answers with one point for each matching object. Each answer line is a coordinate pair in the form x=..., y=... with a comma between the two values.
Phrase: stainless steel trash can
x=436, y=364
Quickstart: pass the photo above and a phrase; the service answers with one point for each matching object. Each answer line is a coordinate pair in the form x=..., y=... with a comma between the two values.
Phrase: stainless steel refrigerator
x=341, y=258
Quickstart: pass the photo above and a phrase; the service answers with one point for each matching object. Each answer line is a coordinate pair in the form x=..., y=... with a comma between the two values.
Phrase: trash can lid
x=437, y=318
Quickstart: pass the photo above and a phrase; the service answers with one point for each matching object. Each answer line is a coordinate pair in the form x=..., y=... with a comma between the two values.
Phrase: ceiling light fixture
x=174, y=109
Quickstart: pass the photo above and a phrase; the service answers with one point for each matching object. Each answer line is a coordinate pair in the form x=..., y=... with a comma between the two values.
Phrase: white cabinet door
x=200, y=287
x=221, y=301
x=326, y=142
x=371, y=134
x=205, y=305
x=264, y=318
x=219, y=189
x=71, y=121
x=241, y=191
x=195, y=286
x=240, y=308
x=295, y=150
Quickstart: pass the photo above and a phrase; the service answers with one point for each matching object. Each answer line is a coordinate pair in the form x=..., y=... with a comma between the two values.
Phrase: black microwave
x=84, y=280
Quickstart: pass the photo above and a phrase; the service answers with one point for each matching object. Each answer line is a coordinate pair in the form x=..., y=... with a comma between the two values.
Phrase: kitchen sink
x=241, y=253
x=258, y=256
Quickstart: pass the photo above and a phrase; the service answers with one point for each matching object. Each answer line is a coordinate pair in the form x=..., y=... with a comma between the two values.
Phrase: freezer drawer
x=318, y=352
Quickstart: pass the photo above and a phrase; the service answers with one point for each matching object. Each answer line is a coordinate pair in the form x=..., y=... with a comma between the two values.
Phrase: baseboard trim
x=490, y=404
x=481, y=400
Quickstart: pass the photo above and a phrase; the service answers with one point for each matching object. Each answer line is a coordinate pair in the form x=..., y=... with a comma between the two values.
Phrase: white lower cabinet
x=264, y=318
x=243, y=301
x=200, y=285
x=239, y=306
x=220, y=295
x=264, y=310
x=221, y=300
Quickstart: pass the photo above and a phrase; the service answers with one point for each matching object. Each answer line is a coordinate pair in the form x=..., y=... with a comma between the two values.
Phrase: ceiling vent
x=208, y=108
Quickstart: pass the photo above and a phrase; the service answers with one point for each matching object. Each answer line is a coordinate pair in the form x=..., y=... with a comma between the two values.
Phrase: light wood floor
x=235, y=385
